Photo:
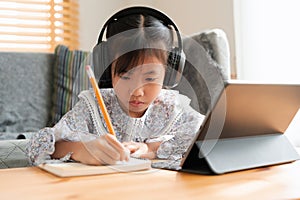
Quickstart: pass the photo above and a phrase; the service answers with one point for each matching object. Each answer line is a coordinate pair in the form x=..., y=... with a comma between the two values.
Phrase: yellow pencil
x=100, y=99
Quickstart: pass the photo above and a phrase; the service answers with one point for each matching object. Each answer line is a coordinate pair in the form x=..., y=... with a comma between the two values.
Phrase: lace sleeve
x=183, y=132
x=75, y=125
x=40, y=146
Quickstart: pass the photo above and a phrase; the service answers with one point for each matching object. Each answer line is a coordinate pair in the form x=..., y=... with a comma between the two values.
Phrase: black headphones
x=102, y=61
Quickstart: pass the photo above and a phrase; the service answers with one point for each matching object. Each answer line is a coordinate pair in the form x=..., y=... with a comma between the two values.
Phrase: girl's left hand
x=140, y=150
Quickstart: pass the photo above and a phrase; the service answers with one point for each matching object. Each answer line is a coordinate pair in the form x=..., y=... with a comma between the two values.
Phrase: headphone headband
x=141, y=10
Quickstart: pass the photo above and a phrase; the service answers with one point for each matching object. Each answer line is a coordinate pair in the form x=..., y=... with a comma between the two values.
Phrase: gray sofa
x=28, y=90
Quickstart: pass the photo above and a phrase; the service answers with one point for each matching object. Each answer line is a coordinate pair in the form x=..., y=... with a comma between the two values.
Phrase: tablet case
x=238, y=135
x=236, y=154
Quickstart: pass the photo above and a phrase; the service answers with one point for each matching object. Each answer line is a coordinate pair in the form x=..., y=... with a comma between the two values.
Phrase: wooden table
x=276, y=182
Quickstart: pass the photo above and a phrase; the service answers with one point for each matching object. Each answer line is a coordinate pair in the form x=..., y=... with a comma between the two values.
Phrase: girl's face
x=137, y=88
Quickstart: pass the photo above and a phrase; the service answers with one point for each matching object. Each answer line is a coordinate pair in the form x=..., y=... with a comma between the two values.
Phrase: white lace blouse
x=169, y=119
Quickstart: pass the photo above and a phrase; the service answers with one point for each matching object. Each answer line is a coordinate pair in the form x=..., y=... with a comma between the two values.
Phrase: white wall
x=268, y=42
x=93, y=14
x=191, y=16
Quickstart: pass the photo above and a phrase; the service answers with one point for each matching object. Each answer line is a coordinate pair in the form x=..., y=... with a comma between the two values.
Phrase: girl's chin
x=133, y=112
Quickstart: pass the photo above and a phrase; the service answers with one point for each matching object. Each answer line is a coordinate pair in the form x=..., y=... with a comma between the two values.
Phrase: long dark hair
x=132, y=39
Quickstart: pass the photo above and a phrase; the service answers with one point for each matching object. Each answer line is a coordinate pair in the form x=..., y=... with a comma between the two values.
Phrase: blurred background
x=263, y=35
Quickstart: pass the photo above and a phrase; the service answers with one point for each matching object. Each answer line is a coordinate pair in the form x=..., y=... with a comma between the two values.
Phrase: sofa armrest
x=13, y=153
x=215, y=42
x=207, y=67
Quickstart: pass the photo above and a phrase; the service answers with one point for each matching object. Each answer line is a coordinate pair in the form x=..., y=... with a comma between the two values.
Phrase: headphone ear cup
x=176, y=62
x=100, y=59
x=101, y=62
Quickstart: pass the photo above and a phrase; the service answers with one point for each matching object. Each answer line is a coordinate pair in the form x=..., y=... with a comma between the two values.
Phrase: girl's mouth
x=136, y=103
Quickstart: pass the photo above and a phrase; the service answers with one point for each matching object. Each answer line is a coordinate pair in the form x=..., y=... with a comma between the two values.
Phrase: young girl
x=149, y=121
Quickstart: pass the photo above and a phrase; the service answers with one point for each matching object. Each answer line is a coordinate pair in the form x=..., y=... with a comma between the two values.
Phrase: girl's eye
x=150, y=79
x=123, y=77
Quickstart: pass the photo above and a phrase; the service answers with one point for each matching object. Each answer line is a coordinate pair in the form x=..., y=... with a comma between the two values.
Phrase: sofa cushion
x=25, y=92
x=68, y=68
x=13, y=153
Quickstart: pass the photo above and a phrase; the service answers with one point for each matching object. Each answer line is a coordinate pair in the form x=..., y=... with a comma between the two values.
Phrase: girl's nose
x=138, y=92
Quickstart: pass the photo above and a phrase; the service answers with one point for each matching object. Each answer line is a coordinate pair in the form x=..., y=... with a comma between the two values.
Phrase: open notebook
x=68, y=169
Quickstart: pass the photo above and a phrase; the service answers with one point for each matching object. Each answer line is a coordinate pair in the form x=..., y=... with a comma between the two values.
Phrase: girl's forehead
x=145, y=68
x=150, y=59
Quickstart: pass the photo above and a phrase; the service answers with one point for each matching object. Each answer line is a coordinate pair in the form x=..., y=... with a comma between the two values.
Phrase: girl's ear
x=113, y=65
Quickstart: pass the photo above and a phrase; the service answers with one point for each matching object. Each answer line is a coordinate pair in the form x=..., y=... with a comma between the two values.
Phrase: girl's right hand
x=104, y=150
